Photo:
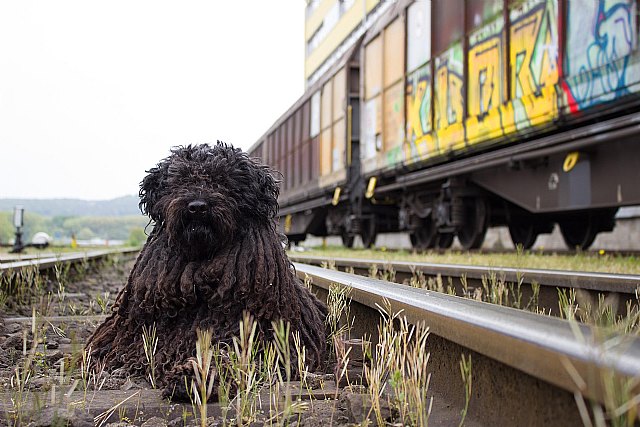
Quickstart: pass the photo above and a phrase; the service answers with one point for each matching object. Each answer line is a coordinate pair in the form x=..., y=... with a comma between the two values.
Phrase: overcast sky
x=93, y=93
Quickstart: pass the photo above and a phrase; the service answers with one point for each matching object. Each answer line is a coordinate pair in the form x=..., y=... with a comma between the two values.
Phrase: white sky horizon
x=92, y=94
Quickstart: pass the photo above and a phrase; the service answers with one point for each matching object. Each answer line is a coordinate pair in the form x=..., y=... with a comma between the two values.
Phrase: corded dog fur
x=214, y=253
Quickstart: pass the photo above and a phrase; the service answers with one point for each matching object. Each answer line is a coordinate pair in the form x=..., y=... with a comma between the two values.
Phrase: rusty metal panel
x=305, y=169
x=339, y=94
x=448, y=24
x=315, y=157
x=480, y=12
x=285, y=154
x=260, y=151
x=290, y=153
x=306, y=111
x=394, y=122
x=256, y=151
x=418, y=34
x=265, y=150
x=315, y=115
x=393, y=52
x=279, y=151
x=326, y=102
x=325, y=151
x=297, y=147
x=270, y=150
x=373, y=68
x=338, y=153
x=276, y=150
x=305, y=161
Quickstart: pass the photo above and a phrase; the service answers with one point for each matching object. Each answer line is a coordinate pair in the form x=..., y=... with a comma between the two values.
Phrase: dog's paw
x=177, y=392
x=180, y=384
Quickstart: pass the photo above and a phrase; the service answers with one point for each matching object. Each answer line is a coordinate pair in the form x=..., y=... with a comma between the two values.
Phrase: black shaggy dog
x=214, y=253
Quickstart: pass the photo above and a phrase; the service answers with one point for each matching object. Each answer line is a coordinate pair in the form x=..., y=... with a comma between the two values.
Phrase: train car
x=314, y=145
x=480, y=113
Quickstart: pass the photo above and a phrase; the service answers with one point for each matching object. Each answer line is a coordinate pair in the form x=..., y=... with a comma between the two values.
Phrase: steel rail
x=602, y=282
x=50, y=262
x=545, y=347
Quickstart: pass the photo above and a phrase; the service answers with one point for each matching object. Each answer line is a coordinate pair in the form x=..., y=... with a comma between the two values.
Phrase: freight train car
x=471, y=114
x=315, y=147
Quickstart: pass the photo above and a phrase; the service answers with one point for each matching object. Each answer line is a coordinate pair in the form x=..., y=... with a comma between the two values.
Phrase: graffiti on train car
x=534, y=72
x=534, y=63
x=449, y=99
x=420, y=142
x=486, y=82
x=533, y=60
x=600, y=63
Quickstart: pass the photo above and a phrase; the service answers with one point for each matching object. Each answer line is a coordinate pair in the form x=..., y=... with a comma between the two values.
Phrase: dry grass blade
x=103, y=417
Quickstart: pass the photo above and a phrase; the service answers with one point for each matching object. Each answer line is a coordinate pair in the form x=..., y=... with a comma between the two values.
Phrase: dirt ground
x=54, y=391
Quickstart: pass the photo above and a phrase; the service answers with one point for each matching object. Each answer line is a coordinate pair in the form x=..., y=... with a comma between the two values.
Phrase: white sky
x=93, y=93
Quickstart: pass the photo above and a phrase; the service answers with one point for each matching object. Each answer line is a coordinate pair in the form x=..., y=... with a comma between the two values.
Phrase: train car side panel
x=533, y=64
x=393, y=97
x=449, y=99
x=486, y=91
x=602, y=62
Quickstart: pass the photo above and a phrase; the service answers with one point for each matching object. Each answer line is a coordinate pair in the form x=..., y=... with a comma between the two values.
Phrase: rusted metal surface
x=393, y=56
x=544, y=347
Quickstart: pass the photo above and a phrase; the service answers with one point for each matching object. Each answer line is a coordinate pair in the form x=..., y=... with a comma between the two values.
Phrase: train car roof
x=344, y=59
x=385, y=20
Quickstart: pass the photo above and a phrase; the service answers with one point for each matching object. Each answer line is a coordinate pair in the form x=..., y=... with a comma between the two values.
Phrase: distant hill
x=121, y=206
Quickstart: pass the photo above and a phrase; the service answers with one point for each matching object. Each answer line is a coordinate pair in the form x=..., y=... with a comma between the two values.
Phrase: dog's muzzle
x=197, y=218
x=197, y=209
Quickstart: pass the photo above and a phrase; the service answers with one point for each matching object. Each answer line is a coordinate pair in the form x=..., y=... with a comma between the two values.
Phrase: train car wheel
x=579, y=233
x=523, y=233
x=347, y=240
x=368, y=232
x=444, y=240
x=424, y=237
x=471, y=233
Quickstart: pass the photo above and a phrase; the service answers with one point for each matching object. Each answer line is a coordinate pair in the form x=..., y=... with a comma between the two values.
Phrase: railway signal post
x=18, y=222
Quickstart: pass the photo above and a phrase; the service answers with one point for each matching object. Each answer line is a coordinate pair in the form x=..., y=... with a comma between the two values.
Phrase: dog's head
x=205, y=196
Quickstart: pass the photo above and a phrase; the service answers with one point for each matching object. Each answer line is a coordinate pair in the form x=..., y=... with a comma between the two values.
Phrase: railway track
x=620, y=288
x=526, y=368
x=491, y=251
x=49, y=261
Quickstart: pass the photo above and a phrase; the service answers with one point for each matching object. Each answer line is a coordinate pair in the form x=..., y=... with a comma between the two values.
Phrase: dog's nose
x=197, y=207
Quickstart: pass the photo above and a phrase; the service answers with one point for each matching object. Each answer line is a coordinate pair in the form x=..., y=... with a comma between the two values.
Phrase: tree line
x=129, y=227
